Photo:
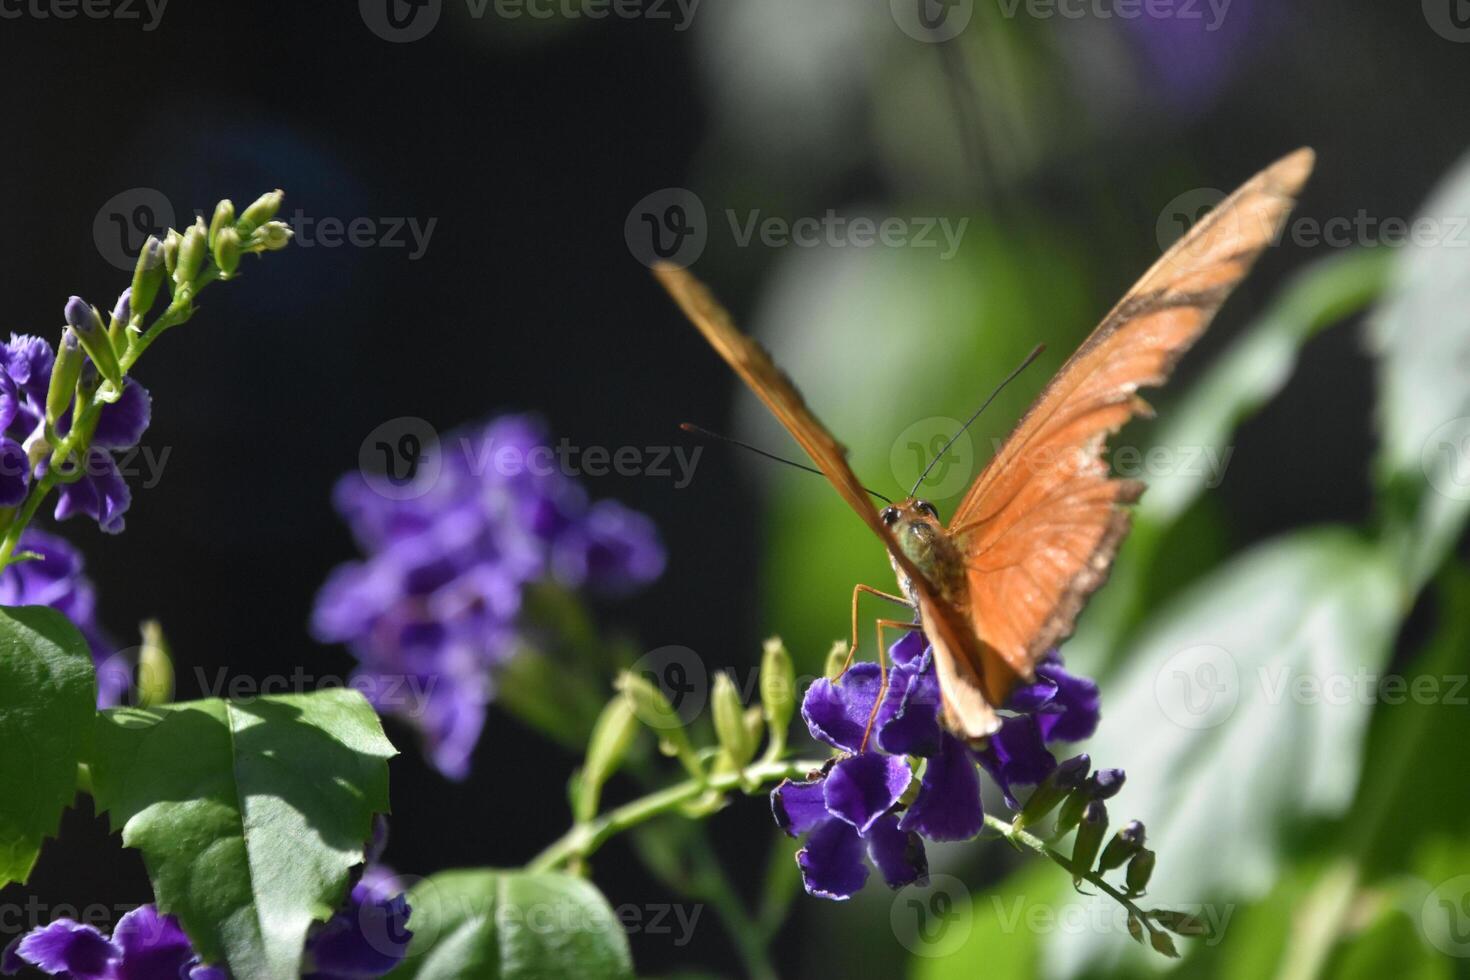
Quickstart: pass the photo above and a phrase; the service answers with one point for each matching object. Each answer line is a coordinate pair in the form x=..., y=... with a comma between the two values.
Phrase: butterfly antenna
x=1035, y=353
x=698, y=431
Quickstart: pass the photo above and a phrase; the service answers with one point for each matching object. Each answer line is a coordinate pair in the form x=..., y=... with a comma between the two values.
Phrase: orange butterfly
x=1037, y=531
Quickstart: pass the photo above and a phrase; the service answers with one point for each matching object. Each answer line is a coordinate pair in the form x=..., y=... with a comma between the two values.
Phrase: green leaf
x=512, y=925
x=48, y=695
x=1419, y=334
x=1245, y=706
x=249, y=815
x=1198, y=429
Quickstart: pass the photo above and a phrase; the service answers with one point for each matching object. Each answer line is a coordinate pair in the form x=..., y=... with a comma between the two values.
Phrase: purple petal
x=29, y=361
x=1030, y=698
x=863, y=787
x=908, y=722
x=121, y=424
x=948, y=805
x=1017, y=756
x=15, y=473
x=101, y=494
x=898, y=855
x=837, y=712
x=909, y=648
x=832, y=862
x=1073, y=713
x=208, y=973
x=367, y=939
x=799, y=807
x=68, y=948
x=152, y=945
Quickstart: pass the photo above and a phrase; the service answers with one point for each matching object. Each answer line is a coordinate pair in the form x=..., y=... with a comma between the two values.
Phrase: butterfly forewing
x=1040, y=526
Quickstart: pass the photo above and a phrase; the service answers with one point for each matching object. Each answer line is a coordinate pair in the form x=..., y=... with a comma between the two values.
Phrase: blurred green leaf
x=892, y=348
x=1421, y=334
x=1242, y=706
x=249, y=815
x=512, y=925
x=1200, y=426
x=1008, y=925
x=48, y=695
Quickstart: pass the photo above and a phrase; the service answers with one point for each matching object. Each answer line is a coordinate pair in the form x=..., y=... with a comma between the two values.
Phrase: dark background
x=529, y=147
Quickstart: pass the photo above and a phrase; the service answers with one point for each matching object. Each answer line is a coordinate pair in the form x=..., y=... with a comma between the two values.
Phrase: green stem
x=584, y=839
x=1031, y=842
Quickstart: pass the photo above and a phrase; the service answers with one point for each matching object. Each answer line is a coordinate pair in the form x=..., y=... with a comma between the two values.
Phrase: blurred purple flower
x=368, y=936
x=56, y=579
x=100, y=492
x=432, y=609
x=1191, y=55
x=862, y=803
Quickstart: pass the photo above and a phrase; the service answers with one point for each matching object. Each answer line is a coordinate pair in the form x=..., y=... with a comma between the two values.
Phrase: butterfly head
x=915, y=525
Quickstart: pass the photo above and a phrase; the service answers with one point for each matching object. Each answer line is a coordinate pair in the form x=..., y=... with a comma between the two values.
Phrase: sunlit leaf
x=249, y=815
x=48, y=695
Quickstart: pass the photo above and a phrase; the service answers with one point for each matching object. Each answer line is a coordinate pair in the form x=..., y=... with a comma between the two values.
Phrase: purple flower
x=99, y=490
x=864, y=804
x=56, y=579
x=144, y=946
x=432, y=610
x=368, y=937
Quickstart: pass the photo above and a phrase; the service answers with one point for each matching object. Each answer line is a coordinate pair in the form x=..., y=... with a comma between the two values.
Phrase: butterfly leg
x=857, y=591
x=897, y=624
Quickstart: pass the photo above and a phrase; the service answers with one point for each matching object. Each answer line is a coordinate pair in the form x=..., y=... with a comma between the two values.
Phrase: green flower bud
x=653, y=709
x=155, y=667
x=263, y=210
x=224, y=217
x=1072, y=807
x=87, y=323
x=1140, y=870
x=192, y=251
x=64, y=375
x=171, y=251
x=1089, y=839
x=836, y=661
x=778, y=689
x=270, y=237
x=1135, y=928
x=730, y=722
x=1125, y=843
x=1163, y=944
x=1064, y=779
x=147, y=277
x=606, y=750
x=227, y=252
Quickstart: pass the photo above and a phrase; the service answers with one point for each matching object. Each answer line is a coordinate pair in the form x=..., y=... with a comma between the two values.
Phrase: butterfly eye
x=889, y=515
x=927, y=508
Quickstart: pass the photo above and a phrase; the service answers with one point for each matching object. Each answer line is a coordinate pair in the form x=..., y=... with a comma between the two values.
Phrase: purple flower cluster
x=433, y=608
x=98, y=489
x=863, y=803
x=367, y=937
x=55, y=578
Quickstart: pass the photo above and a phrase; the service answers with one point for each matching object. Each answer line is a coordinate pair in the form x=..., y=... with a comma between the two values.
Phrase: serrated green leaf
x=48, y=695
x=511, y=925
x=249, y=815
